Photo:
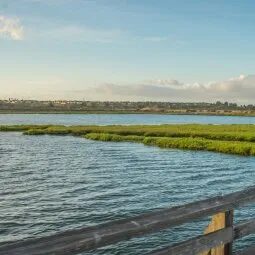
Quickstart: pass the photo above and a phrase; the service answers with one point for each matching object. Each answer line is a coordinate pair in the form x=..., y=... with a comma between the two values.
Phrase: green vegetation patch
x=51, y=130
x=114, y=138
x=232, y=139
x=11, y=128
x=240, y=148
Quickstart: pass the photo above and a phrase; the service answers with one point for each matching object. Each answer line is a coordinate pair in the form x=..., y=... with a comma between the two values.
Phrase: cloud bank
x=11, y=28
x=239, y=89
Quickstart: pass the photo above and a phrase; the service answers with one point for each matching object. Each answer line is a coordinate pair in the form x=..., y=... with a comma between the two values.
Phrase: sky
x=135, y=50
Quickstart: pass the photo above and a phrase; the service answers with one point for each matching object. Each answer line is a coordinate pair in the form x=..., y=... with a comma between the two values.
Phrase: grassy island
x=232, y=139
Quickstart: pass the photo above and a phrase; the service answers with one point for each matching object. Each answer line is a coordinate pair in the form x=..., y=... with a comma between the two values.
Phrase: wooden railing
x=217, y=240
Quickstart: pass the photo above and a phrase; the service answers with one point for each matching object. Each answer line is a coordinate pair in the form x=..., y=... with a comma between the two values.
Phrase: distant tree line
x=64, y=105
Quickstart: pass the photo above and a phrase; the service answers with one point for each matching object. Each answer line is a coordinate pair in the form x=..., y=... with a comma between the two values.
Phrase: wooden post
x=229, y=216
x=219, y=221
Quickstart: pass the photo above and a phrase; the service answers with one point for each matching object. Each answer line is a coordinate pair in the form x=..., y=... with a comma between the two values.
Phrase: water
x=110, y=119
x=55, y=183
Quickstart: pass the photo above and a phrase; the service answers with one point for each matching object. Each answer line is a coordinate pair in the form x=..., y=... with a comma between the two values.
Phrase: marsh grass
x=51, y=130
x=232, y=139
x=11, y=128
x=114, y=138
x=240, y=148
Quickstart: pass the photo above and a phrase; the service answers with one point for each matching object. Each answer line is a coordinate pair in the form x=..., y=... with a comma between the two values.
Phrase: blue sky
x=186, y=50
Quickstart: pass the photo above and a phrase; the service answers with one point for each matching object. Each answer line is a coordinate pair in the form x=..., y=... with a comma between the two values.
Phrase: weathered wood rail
x=217, y=240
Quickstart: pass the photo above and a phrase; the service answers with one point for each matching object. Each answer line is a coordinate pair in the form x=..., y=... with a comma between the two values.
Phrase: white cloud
x=240, y=89
x=237, y=84
x=92, y=34
x=164, y=82
x=76, y=33
x=12, y=28
x=72, y=32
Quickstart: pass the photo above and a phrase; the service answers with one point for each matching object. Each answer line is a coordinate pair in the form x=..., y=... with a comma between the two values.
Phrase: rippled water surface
x=54, y=183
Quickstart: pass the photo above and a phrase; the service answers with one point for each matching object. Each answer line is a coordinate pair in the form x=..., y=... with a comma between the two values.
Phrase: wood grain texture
x=217, y=222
